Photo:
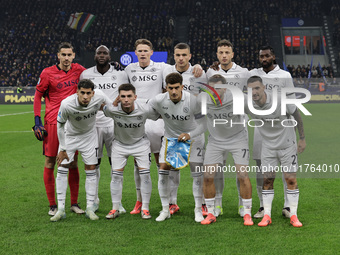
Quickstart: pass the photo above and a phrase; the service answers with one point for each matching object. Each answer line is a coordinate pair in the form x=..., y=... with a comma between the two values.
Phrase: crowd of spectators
x=30, y=31
x=243, y=23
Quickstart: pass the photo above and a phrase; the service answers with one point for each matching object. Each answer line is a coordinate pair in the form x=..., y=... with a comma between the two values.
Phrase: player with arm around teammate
x=130, y=140
x=193, y=85
x=279, y=146
x=273, y=77
x=77, y=132
x=107, y=79
x=237, y=76
x=55, y=84
x=147, y=77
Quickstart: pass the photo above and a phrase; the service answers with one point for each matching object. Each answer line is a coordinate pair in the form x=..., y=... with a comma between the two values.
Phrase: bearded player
x=55, y=84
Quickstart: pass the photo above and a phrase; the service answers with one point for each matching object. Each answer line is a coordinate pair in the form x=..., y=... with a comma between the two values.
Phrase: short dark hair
x=127, y=87
x=254, y=78
x=86, y=84
x=217, y=78
x=65, y=45
x=143, y=41
x=182, y=46
x=268, y=47
x=173, y=78
x=225, y=42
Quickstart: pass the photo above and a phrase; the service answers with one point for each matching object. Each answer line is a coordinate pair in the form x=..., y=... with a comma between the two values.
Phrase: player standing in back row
x=193, y=85
x=55, y=84
x=147, y=77
x=273, y=77
x=106, y=78
x=237, y=76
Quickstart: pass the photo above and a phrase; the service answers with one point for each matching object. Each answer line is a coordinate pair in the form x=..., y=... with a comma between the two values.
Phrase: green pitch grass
x=25, y=227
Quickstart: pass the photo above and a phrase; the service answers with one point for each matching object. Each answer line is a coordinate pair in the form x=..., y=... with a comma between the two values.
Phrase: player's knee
x=50, y=162
x=291, y=183
x=268, y=184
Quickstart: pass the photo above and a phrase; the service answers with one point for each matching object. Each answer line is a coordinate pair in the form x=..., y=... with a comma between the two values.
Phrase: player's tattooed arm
x=302, y=141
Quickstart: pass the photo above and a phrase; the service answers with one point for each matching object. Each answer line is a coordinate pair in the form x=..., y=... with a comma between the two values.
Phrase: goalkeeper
x=55, y=84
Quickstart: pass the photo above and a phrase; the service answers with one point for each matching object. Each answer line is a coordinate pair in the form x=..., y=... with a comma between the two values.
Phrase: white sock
x=90, y=187
x=286, y=202
x=116, y=186
x=259, y=185
x=61, y=183
x=197, y=188
x=164, y=188
x=240, y=202
x=146, y=188
x=219, y=186
x=247, y=205
x=210, y=202
x=137, y=182
x=268, y=196
x=96, y=198
x=174, y=179
x=293, y=200
x=259, y=193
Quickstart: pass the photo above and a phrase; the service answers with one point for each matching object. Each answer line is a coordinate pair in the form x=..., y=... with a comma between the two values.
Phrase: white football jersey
x=191, y=84
x=149, y=80
x=221, y=122
x=274, y=134
x=130, y=128
x=236, y=75
x=276, y=78
x=180, y=117
x=108, y=83
x=80, y=119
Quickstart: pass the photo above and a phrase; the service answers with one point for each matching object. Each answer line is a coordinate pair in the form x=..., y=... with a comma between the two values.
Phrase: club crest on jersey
x=237, y=76
x=153, y=69
x=114, y=78
x=140, y=117
x=167, y=115
x=134, y=78
x=78, y=118
x=186, y=109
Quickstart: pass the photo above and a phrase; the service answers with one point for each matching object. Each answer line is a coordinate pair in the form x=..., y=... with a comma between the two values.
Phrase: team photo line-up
x=132, y=112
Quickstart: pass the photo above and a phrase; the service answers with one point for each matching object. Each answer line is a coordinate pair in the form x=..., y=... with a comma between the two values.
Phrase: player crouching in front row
x=129, y=117
x=278, y=146
x=78, y=113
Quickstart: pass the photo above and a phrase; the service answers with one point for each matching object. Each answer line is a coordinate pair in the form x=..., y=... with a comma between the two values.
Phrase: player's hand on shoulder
x=39, y=130
x=117, y=66
x=197, y=70
x=117, y=100
x=215, y=66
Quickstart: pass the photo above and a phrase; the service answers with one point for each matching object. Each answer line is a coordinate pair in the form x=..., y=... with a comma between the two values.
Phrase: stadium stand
x=31, y=31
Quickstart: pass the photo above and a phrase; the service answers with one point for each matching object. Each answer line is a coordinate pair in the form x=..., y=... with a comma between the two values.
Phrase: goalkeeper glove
x=39, y=130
